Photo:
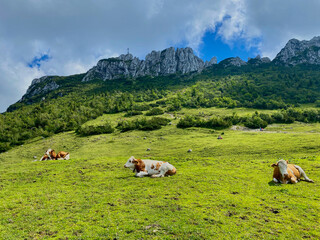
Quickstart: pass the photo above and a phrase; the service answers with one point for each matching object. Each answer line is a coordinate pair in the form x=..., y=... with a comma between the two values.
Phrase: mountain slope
x=56, y=104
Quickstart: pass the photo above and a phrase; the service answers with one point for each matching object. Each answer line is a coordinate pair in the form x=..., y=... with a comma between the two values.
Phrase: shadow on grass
x=273, y=184
x=128, y=177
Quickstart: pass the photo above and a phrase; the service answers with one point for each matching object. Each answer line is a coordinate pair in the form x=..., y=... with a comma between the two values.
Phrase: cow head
x=283, y=168
x=48, y=152
x=131, y=163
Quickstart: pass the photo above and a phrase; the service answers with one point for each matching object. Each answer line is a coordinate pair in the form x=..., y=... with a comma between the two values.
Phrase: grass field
x=222, y=189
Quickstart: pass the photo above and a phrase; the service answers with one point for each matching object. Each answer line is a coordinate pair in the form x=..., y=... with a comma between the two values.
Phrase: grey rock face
x=258, y=60
x=211, y=62
x=156, y=63
x=233, y=61
x=40, y=86
x=297, y=52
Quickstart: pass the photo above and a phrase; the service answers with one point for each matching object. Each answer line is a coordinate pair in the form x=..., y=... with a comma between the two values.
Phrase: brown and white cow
x=284, y=172
x=151, y=168
x=63, y=155
x=50, y=154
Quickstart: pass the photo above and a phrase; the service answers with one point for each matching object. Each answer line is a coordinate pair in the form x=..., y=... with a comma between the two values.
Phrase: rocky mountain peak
x=211, y=62
x=40, y=86
x=125, y=57
x=156, y=63
x=298, y=52
x=258, y=60
x=233, y=61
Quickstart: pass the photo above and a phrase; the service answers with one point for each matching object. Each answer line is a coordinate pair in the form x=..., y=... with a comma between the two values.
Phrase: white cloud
x=76, y=34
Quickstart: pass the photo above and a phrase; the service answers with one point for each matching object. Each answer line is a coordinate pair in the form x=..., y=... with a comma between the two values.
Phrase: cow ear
x=274, y=165
x=134, y=161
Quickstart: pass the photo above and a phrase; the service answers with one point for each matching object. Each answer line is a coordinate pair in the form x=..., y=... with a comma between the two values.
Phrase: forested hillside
x=266, y=86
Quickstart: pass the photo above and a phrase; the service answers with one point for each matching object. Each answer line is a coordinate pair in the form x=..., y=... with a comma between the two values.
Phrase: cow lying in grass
x=284, y=172
x=51, y=155
x=150, y=167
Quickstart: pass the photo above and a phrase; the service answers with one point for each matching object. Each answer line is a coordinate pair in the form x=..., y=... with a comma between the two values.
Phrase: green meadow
x=223, y=189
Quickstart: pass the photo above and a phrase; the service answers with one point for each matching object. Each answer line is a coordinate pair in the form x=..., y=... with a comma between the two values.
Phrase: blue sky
x=213, y=45
x=37, y=60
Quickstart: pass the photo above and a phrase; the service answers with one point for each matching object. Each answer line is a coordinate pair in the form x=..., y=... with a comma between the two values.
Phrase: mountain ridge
x=156, y=63
x=177, y=61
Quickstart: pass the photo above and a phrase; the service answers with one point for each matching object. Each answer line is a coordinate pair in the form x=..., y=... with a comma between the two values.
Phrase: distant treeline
x=257, y=120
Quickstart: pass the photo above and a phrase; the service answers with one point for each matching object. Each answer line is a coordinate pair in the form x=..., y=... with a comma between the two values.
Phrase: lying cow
x=150, y=167
x=63, y=155
x=284, y=172
x=51, y=155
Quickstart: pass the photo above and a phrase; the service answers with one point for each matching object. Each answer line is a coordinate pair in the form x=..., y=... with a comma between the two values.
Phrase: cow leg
x=275, y=180
x=157, y=175
x=293, y=180
x=303, y=174
x=141, y=174
x=161, y=174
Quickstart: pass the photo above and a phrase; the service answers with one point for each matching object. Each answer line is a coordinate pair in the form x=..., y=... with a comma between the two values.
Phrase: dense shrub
x=154, y=105
x=86, y=130
x=133, y=113
x=266, y=117
x=214, y=122
x=282, y=117
x=4, y=146
x=141, y=107
x=142, y=124
x=217, y=123
x=255, y=122
x=154, y=111
x=189, y=121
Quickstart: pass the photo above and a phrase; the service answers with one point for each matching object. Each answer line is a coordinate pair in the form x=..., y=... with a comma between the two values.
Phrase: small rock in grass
x=144, y=138
x=148, y=149
x=35, y=157
x=190, y=150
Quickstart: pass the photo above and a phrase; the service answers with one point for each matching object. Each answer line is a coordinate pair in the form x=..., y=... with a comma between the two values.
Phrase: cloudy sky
x=63, y=37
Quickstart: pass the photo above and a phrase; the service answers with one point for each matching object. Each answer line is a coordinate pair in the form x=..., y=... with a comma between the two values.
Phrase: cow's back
x=295, y=171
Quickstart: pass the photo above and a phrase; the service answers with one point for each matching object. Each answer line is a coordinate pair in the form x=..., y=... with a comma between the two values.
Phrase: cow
x=151, y=168
x=50, y=154
x=63, y=155
x=284, y=173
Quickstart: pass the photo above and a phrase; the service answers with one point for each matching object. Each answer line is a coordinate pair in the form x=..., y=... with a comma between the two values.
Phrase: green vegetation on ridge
x=75, y=102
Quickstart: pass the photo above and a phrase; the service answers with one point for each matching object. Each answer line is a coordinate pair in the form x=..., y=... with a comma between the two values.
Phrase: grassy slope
x=222, y=190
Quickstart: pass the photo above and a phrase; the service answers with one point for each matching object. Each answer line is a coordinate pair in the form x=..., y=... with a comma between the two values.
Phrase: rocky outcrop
x=297, y=52
x=213, y=61
x=156, y=63
x=258, y=60
x=40, y=86
x=233, y=61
